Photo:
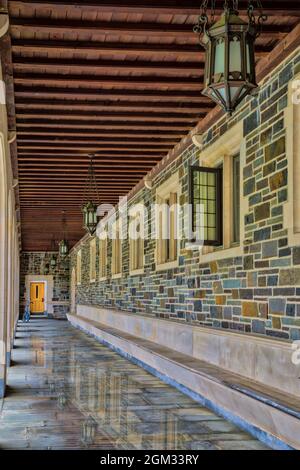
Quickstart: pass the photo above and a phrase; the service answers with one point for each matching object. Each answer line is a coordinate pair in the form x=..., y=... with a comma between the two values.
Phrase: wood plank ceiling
x=121, y=79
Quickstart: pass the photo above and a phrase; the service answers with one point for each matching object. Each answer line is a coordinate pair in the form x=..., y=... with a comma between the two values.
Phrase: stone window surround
x=171, y=185
x=291, y=211
x=93, y=260
x=222, y=151
x=134, y=211
x=78, y=263
x=102, y=239
x=114, y=226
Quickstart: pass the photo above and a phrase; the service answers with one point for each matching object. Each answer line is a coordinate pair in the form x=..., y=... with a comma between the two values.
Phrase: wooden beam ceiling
x=122, y=80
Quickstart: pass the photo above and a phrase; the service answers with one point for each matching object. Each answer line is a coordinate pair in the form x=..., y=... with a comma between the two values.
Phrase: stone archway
x=73, y=291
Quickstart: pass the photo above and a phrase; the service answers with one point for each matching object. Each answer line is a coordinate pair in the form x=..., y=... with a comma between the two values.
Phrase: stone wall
x=257, y=292
x=39, y=264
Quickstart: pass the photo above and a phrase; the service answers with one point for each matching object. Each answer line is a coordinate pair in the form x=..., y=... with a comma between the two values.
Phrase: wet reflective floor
x=66, y=391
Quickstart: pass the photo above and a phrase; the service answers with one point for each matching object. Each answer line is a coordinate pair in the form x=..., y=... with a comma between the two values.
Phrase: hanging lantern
x=88, y=431
x=230, y=60
x=63, y=244
x=89, y=209
x=90, y=219
x=63, y=248
x=53, y=257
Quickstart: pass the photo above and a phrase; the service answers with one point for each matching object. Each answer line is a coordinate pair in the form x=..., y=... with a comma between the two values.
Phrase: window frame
x=102, y=254
x=163, y=192
x=118, y=230
x=236, y=209
x=222, y=149
x=291, y=208
x=219, y=201
x=79, y=267
x=136, y=248
x=93, y=254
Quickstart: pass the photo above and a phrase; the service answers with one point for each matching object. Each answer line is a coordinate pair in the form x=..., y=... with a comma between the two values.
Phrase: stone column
x=10, y=277
x=3, y=215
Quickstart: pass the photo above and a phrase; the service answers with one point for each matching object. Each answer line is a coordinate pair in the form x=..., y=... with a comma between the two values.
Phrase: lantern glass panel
x=248, y=58
x=235, y=55
x=222, y=92
x=234, y=92
x=219, y=66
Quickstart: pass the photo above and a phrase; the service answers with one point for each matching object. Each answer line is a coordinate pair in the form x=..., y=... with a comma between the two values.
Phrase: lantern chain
x=201, y=28
x=257, y=23
x=91, y=186
x=64, y=223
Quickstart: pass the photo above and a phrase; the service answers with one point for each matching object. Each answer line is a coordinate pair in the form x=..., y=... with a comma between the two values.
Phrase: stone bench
x=267, y=413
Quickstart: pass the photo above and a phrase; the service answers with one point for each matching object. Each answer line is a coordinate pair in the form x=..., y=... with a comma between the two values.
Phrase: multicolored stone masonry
x=40, y=264
x=257, y=292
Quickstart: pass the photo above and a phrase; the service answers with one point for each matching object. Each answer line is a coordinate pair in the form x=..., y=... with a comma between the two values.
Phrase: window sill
x=102, y=279
x=116, y=276
x=92, y=281
x=78, y=283
x=166, y=266
x=221, y=253
x=136, y=272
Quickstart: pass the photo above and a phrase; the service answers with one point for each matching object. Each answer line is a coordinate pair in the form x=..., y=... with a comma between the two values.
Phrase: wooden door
x=37, y=297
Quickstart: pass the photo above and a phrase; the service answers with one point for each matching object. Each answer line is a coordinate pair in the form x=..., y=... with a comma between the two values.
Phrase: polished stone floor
x=66, y=391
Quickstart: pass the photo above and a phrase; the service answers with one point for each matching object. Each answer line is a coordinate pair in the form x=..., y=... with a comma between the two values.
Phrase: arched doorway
x=73, y=291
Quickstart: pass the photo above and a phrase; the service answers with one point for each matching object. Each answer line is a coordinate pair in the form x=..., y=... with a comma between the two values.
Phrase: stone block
x=269, y=113
x=216, y=311
x=262, y=234
x=252, y=279
x=277, y=306
x=278, y=180
x=220, y=299
x=249, y=309
x=197, y=306
x=282, y=196
x=270, y=249
x=248, y=262
x=217, y=287
x=262, y=212
x=251, y=122
x=276, y=323
x=289, y=277
x=246, y=294
x=275, y=149
x=285, y=75
x=249, y=186
x=213, y=267
x=269, y=168
x=296, y=255
x=258, y=326
x=263, y=309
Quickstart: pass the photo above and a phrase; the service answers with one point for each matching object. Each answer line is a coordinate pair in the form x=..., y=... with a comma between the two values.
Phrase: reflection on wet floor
x=66, y=391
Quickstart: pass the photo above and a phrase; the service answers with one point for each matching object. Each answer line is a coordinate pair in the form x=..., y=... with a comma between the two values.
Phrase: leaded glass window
x=206, y=201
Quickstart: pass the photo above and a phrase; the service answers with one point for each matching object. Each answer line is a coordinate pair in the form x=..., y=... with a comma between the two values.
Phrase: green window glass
x=206, y=201
x=236, y=198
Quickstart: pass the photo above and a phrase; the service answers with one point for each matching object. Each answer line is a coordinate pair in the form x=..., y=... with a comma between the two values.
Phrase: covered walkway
x=149, y=224
x=66, y=391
